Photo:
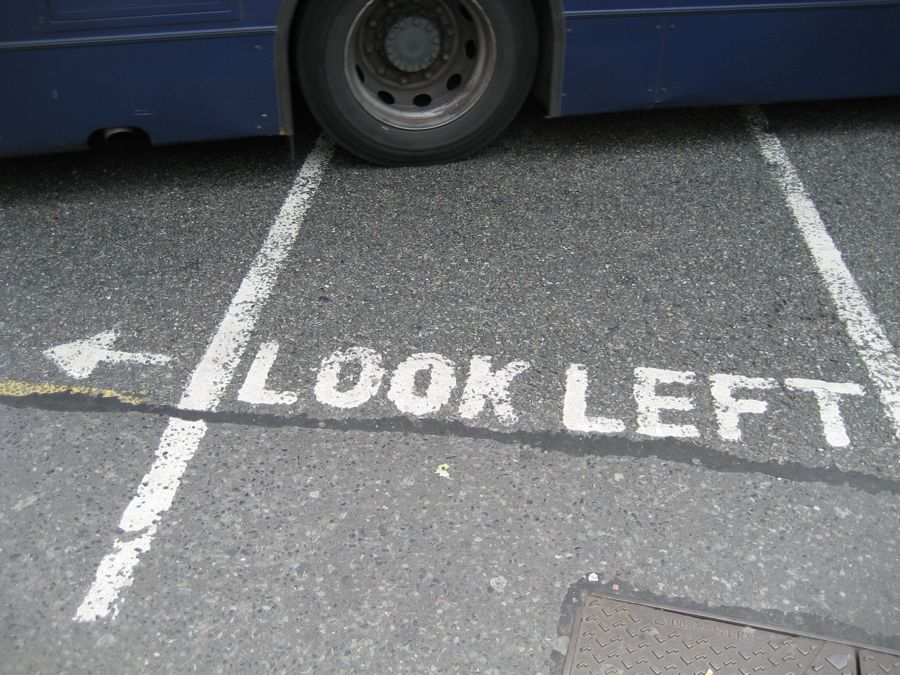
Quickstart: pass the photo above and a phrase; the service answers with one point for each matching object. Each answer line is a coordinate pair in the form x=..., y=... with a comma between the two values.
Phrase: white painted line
x=208, y=382
x=157, y=490
x=862, y=325
x=114, y=574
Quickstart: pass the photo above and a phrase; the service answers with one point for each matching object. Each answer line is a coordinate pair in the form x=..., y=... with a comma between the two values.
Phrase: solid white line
x=208, y=383
x=862, y=325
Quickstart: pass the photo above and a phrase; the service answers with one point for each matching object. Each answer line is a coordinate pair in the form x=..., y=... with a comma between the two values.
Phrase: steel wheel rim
x=420, y=64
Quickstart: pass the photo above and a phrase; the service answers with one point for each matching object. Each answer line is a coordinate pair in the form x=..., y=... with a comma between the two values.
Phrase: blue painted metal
x=185, y=70
x=181, y=70
x=82, y=15
x=624, y=55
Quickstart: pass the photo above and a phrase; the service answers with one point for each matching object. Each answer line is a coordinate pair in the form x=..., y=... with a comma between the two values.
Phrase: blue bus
x=414, y=81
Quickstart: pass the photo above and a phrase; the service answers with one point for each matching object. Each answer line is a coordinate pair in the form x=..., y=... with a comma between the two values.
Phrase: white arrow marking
x=80, y=358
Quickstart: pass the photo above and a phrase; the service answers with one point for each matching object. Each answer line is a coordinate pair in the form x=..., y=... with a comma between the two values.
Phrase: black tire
x=392, y=93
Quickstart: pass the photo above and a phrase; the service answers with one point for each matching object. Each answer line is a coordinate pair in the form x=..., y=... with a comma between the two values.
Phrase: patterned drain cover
x=611, y=636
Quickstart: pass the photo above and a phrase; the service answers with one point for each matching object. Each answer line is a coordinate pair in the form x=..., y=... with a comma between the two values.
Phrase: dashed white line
x=208, y=383
x=862, y=325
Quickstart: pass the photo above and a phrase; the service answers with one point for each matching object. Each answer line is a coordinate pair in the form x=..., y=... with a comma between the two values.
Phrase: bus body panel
x=174, y=90
x=36, y=21
x=181, y=70
x=626, y=55
x=190, y=70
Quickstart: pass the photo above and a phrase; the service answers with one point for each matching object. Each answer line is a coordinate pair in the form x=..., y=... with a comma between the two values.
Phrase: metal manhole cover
x=876, y=663
x=611, y=636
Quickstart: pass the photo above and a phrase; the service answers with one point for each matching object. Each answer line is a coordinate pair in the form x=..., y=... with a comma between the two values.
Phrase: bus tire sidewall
x=320, y=43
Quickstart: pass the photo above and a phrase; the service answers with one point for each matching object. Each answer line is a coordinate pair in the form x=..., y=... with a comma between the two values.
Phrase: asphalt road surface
x=328, y=417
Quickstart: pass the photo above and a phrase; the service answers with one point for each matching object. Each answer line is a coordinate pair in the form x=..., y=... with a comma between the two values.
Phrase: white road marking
x=862, y=325
x=828, y=396
x=412, y=396
x=81, y=357
x=441, y=383
x=368, y=382
x=575, y=417
x=485, y=384
x=208, y=382
x=729, y=409
x=649, y=403
x=114, y=575
x=157, y=490
x=254, y=389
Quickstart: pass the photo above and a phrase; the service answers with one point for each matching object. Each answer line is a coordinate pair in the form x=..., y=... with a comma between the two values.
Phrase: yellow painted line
x=16, y=389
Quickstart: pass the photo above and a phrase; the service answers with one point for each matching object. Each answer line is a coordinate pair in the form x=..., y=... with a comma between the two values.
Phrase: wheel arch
x=547, y=85
x=551, y=54
x=288, y=13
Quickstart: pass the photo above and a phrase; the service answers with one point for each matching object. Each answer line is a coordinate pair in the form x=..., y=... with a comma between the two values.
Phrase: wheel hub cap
x=420, y=64
x=412, y=44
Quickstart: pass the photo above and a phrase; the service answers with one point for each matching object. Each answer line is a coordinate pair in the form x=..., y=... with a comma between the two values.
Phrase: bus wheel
x=415, y=81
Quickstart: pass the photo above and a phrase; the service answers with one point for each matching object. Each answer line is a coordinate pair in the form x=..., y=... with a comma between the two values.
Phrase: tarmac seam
x=671, y=450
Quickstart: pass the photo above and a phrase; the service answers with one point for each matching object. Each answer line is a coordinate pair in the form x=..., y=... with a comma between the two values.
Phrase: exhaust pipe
x=119, y=137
